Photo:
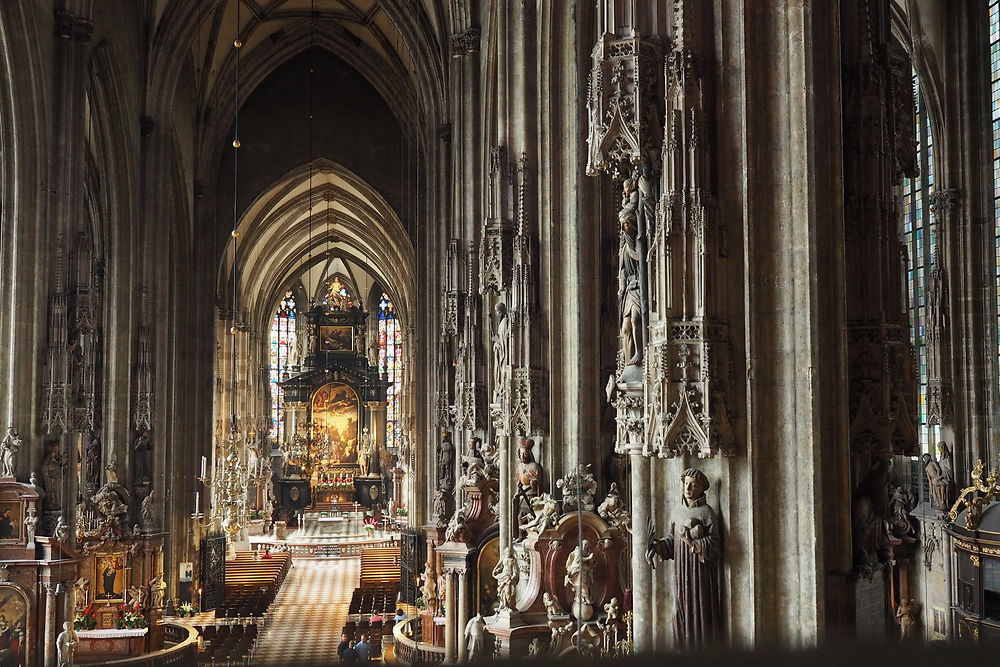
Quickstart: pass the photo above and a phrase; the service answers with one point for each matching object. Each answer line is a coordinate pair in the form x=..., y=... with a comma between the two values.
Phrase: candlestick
x=197, y=503
x=203, y=462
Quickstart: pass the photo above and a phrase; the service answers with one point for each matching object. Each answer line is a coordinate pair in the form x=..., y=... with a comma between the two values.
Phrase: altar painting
x=13, y=621
x=335, y=424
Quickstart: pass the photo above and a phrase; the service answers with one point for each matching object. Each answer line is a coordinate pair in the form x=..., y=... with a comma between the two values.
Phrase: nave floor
x=308, y=613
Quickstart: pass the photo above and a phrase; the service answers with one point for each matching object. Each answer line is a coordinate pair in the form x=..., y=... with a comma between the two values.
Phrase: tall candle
x=203, y=467
x=197, y=503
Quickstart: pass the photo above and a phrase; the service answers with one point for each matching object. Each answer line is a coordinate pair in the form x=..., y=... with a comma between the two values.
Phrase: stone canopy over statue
x=693, y=544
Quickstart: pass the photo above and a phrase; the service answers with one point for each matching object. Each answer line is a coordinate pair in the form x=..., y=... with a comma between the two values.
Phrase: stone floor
x=308, y=613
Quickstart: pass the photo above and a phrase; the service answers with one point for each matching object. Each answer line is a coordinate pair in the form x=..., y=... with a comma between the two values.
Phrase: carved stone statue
x=136, y=595
x=694, y=545
x=583, y=480
x=52, y=472
x=546, y=509
x=366, y=454
x=475, y=636
x=9, y=446
x=141, y=454
x=629, y=293
x=947, y=466
x=529, y=473
x=552, y=607
x=65, y=643
x=580, y=578
x=457, y=530
x=616, y=469
x=506, y=574
x=157, y=587
x=935, y=483
x=870, y=518
x=109, y=503
x=501, y=352
x=906, y=617
x=613, y=510
x=899, y=509
x=146, y=510
x=93, y=460
x=61, y=532
x=80, y=587
x=536, y=648
x=428, y=586
x=30, y=523
x=446, y=462
x=441, y=508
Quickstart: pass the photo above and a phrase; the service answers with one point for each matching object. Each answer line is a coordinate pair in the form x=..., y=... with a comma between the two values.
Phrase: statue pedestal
x=96, y=646
x=505, y=626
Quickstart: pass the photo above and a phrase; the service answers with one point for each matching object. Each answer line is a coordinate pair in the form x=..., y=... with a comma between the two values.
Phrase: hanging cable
x=237, y=44
x=312, y=69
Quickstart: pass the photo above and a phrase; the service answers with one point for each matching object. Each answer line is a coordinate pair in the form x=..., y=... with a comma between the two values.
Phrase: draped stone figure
x=629, y=294
x=501, y=351
x=580, y=578
x=694, y=545
x=529, y=473
x=446, y=462
x=506, y=574
x=52, y=471
x=870, y=517
x=8, y=448
x=93, y=460
x=141, y=451
x=947, y=466
x=937, y=487
x=65, y=643
x=475, y=635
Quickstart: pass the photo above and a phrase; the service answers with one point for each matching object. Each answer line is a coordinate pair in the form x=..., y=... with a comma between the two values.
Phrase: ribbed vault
x=292, y=228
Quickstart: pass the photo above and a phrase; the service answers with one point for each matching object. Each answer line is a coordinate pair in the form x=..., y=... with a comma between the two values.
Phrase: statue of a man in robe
x=694, y=546
x=629, y=293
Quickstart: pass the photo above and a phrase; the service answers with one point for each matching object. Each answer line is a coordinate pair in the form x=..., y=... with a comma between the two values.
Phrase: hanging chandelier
x=233, y=482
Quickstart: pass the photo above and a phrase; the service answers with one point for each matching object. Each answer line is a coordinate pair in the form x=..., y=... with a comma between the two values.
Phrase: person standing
x=363, y=649
x=350, y=655
x=342, y=646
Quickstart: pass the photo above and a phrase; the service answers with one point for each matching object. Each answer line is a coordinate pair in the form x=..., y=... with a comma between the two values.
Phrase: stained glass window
x=336, y=296
x=281, y=356
x=390, y=363
x=921, y=248
x=995, y=111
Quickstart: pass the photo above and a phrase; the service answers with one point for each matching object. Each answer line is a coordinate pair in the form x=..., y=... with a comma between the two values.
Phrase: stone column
x=505, y=498
x=50, y=623
x=449, y=617
x=377, y=427
x=642, y=574
x=463, y=614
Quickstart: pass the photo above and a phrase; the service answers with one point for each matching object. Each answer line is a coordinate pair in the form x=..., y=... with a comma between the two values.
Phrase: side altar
x=335, y=410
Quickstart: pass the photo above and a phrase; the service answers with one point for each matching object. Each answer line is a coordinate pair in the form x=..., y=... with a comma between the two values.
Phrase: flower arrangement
x=130, y=618
x=255, y=513
x=87, y=620
x=401, y=511
x=420, y=603
x=188, y=609
x=370, y=522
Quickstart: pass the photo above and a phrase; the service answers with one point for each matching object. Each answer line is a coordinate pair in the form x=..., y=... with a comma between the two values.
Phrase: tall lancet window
x=995, y=109
x=921, y=249
x=282, y=355
x=390, y=362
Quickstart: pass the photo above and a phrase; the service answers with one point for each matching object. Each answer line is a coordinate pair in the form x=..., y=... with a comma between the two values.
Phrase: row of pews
x=373, y=603
x=250, y=587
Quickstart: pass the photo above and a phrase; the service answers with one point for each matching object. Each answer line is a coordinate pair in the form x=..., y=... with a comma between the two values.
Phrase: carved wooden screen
x=412, y=547
x=213, y=571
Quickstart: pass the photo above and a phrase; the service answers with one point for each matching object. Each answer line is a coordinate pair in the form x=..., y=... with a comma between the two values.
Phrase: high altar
x=335, y=407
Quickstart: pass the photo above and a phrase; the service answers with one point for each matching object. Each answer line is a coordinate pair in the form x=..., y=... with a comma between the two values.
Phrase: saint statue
x=529, y=473
x=141, y=450
x=947, y=466
x=506, y=575
x=694, y=546
x=501, y=356
x=366, y=454
x=936, y=484
x=870, y=518
x=629, y=294
x=475, y=636
x=65, y=643
x=906, y=618
x=580, y=577
x=146, y=510
x=446, y=462
x=8, y=447
x=157, y=587
x=93, y=459
x=52, y=471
